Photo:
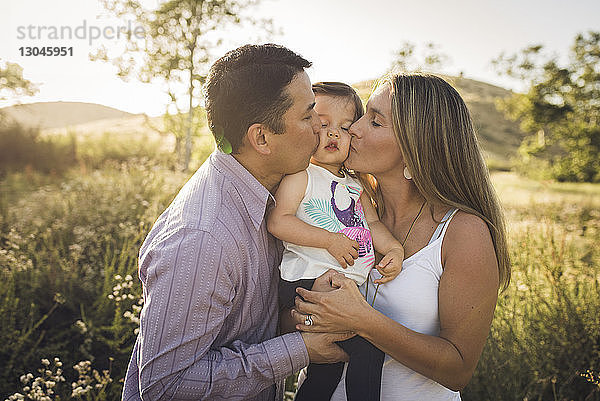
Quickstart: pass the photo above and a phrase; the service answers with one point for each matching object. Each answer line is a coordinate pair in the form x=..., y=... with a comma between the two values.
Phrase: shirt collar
x=253, y=194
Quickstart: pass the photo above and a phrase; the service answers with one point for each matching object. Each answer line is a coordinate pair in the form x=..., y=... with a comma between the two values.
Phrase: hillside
x=45, y=115
x=498, y=136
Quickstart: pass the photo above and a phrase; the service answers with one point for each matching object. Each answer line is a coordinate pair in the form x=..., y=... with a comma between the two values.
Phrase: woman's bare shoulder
x=467, y=225
x=468, y=246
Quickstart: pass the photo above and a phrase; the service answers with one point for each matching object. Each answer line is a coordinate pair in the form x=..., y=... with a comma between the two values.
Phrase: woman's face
x=374, y=148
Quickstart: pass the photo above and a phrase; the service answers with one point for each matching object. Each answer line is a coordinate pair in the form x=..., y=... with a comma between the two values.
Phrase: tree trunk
x=188, y=136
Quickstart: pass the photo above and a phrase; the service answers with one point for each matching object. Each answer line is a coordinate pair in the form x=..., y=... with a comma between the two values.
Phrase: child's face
x=337, y=115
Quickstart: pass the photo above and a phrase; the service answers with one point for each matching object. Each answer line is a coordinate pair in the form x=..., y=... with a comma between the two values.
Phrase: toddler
x=327, y=222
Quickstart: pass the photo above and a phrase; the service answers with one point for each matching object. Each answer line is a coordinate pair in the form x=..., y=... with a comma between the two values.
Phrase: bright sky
x=347, y=40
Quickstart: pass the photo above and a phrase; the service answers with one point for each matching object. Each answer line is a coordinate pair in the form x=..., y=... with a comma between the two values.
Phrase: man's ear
x=257, y=138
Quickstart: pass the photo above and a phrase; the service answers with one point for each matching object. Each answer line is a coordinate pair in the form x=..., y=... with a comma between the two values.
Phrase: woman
x=433, y=192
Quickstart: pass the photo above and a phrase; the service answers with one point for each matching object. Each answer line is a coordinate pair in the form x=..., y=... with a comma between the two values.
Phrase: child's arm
x=283, y=223
x=383, y=242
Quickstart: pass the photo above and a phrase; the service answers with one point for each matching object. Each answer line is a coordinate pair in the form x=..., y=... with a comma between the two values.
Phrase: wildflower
x=118, y=277
x=45, y=362
x=128, y=277
x=59, y=298
x=82, y=329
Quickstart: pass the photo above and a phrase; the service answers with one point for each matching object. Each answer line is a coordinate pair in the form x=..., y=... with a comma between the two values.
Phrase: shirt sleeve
x=189, y=291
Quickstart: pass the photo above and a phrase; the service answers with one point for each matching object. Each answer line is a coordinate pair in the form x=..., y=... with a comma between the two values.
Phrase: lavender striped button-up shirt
x=209, y=273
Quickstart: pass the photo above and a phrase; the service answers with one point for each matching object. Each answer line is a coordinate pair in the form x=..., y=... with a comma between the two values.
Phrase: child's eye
x=323, y=125
x=375, y=124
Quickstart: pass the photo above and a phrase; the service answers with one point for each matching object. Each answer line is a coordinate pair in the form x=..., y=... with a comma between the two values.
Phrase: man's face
x=293, y=148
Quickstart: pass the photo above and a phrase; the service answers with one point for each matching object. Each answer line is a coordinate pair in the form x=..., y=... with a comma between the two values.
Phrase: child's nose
x=333, y=134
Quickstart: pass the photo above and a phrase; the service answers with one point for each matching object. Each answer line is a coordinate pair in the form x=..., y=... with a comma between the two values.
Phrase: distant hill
x=498, y=136
x=45, y=115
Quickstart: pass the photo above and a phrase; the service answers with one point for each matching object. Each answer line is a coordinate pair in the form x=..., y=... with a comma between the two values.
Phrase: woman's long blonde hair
x=436, y=137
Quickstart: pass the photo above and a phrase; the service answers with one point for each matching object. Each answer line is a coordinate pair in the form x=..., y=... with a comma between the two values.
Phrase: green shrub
x=23, y=148
x=60, y=253
x=546, y=331
x=95, y=151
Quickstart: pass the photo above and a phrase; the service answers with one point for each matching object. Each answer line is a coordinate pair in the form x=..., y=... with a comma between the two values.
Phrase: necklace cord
x=402, y=243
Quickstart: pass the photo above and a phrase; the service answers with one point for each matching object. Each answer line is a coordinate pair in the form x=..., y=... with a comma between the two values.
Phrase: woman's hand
x=337, y=311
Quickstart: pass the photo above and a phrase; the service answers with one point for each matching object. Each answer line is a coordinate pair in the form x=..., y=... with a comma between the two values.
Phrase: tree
x=560, y=109
x=431, y=59
x=12, y=83
x=174, y=49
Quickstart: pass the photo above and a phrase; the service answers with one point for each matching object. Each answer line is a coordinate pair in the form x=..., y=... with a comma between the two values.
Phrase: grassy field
x=70, y=295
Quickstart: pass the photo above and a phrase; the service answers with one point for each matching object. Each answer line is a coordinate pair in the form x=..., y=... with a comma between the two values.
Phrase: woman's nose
x=333, y=134
x=353, y=131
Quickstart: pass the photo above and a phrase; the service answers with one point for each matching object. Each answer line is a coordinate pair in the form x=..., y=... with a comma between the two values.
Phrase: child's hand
x=391, y=265
x=342, y=248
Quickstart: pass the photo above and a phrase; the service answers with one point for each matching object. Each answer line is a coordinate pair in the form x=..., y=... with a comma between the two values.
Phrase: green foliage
x=561, y=109
x=430, y=59
x=96, y=152
x=22, y=148
x=12, y=83
x=26, y=150
x=176, y=49
x=546, y=329
x=74, y=239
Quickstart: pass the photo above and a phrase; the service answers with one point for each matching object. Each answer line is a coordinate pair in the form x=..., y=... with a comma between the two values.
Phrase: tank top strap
x=440, y=230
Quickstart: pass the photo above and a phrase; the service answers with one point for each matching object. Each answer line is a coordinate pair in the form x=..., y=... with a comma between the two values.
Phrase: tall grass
x=61, y=248
x=546, y=331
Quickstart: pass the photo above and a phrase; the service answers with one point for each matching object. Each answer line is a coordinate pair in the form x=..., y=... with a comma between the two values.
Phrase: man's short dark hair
x=247, y=86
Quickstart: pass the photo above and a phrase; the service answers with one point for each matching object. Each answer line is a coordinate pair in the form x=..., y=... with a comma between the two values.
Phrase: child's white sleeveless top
x=412, y=300
x=332, y=203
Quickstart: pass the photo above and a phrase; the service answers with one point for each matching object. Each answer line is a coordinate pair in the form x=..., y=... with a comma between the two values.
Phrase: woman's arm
x=467, y=298
x=283, y=223
x=383, y=242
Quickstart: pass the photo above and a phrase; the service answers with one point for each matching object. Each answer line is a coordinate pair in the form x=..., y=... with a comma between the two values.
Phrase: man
x=209, y=266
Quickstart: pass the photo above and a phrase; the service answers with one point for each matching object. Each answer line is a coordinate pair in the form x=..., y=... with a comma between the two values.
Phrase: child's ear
x=257, y=138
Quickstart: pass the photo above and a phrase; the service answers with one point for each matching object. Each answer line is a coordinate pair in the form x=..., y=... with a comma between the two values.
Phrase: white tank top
x=412, y=300
x=332, y=203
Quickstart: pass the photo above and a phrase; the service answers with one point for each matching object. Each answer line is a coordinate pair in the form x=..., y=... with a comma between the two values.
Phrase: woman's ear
x=257, y=138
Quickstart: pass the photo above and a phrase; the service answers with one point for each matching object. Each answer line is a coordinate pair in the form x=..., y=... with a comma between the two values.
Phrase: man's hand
x=342, y=248
x=321, y=347
x=391, y=265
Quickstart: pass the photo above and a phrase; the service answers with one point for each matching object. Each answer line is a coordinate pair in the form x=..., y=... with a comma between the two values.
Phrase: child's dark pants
x=363, y=374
